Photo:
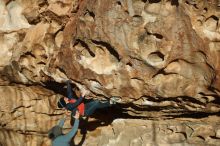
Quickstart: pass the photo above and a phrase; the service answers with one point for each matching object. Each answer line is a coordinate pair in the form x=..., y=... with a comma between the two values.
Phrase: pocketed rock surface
x=161, y=57
x=157, y=133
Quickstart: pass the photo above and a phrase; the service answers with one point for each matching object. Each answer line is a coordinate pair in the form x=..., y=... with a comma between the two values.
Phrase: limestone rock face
x=125, y=132
x=140, y=51
x=27, y=111
x=161, y=57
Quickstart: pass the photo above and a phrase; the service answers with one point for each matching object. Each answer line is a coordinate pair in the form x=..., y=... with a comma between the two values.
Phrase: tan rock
x=218, y=133
x=59, y=9
x=12, y=18
x=161, y=59
x=7, y=42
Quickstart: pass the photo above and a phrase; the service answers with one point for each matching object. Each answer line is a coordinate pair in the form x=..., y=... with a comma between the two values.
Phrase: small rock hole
x=130, y=64
x=154, y=1
x=175, y=2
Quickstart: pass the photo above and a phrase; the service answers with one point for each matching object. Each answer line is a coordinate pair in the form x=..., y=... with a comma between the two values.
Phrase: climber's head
x=55, y=132
x=62, y=102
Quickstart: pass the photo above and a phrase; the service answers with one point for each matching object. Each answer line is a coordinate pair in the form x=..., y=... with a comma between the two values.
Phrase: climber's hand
x=84, y=92
x=76, y=115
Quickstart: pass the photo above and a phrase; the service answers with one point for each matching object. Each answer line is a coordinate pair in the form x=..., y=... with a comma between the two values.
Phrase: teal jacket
x=64, y=140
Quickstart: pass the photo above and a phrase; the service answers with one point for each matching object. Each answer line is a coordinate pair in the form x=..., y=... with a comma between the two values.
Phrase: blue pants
x=69, y=91
x=91, y=106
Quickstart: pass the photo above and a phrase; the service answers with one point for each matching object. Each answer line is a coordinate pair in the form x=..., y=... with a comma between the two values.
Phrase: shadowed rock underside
x=162, y=57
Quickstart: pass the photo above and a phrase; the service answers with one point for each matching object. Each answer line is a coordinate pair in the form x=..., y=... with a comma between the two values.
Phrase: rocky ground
x=162, y=57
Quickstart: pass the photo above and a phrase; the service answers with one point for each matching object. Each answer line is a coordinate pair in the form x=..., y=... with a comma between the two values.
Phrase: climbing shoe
x=115, y=99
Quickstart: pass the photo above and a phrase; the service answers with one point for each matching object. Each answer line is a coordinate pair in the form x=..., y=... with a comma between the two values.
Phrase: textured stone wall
x=157, y=133
x=27, y=113
x=160, y=56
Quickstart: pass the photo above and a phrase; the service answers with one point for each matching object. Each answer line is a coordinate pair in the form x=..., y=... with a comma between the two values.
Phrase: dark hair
x=51, y=136
x=61, y=103
x=77, y=88
x=55, y=132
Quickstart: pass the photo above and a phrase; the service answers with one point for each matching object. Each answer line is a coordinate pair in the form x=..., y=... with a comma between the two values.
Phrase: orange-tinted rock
x=160, y=57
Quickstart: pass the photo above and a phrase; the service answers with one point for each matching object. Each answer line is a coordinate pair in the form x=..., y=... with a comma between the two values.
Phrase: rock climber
x=85, y=110
x=60, y=139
